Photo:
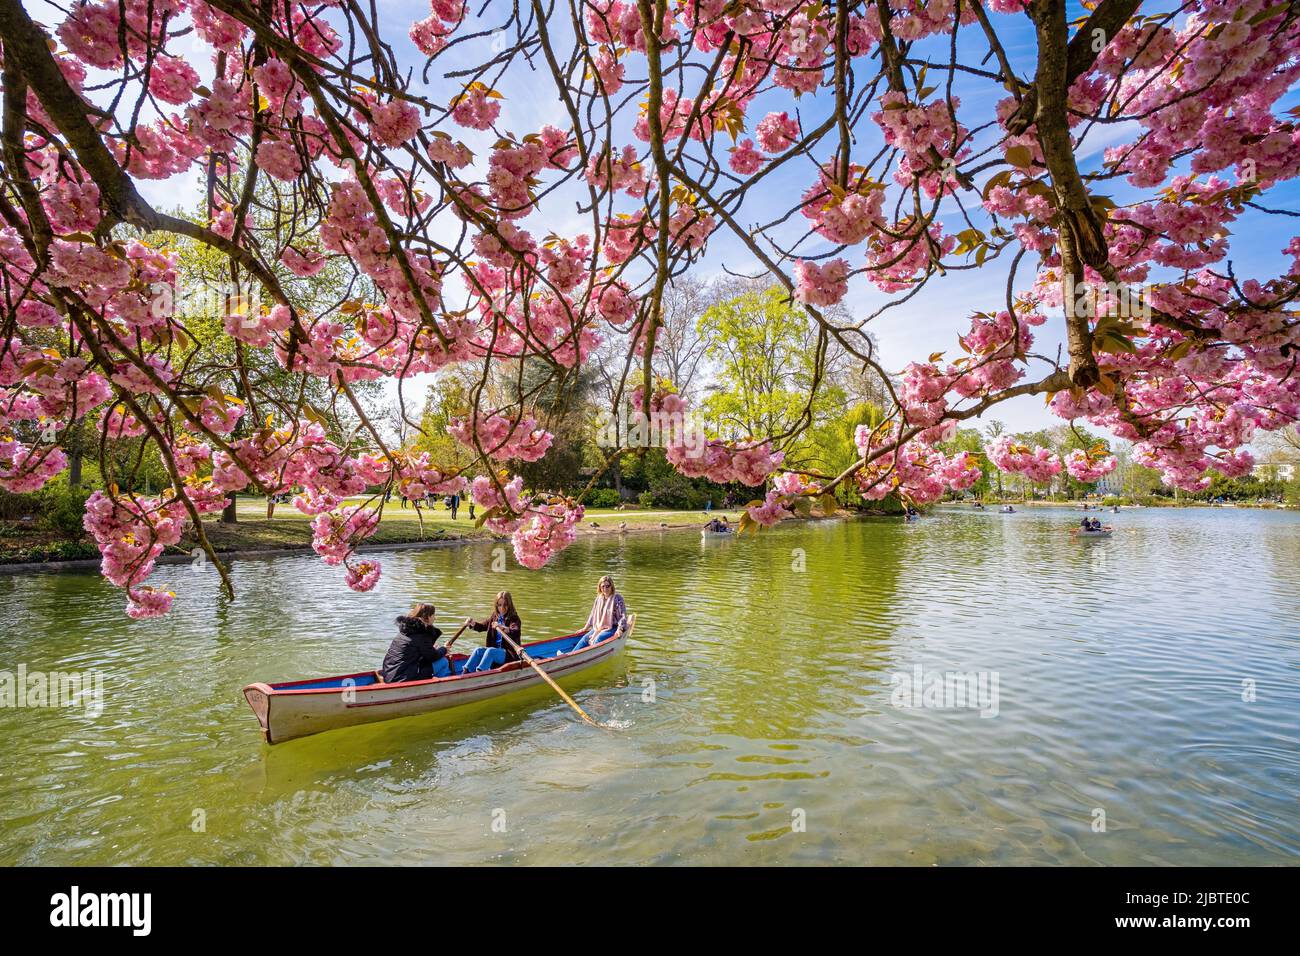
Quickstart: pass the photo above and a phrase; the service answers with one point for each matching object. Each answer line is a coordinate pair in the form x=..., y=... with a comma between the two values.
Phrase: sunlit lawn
x=288, y=528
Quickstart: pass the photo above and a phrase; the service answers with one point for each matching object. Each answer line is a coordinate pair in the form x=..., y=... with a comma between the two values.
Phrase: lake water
x=1147, y=705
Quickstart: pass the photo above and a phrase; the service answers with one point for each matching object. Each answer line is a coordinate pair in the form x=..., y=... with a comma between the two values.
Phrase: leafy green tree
x=829, y=446
x=765, y=347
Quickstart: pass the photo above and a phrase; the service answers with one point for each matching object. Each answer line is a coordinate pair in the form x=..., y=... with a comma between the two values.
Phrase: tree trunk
x=73, y=445
x=229, y=514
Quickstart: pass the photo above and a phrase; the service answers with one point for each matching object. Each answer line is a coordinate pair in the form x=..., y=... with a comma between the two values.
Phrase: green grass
x=288, y=529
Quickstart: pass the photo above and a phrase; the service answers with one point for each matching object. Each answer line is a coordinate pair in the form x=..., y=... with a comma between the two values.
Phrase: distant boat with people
x=1092, y=528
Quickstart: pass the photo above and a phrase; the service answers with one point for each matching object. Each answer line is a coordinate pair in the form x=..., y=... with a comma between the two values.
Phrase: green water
x=752, y=715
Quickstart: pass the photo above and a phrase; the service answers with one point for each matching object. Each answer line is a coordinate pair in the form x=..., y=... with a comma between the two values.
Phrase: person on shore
x=454, y=504
x=413, y=655
x=608, y=616
x=496, y=651
x=471, y=509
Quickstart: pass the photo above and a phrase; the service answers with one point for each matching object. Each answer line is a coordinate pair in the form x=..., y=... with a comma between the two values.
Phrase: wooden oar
x=545, y=676
x=456, y=635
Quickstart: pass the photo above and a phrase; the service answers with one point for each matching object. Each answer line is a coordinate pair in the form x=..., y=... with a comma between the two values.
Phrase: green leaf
x=1114, y=342
x=1020, y=156
x=1268, y=14
x=1000, y=178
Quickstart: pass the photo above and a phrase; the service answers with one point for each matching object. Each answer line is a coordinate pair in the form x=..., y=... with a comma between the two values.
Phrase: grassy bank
x=287, y=530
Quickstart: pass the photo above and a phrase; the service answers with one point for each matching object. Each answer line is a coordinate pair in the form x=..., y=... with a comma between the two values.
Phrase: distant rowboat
x=305, y=707
x=706, y=533
x=1105, y=532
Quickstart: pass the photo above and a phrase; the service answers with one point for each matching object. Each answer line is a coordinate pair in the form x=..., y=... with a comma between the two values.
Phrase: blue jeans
x=587, y=640
x=442, y=667
x=484, y=659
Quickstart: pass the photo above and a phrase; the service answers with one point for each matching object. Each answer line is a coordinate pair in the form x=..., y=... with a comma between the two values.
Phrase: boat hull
x=709, y=535
x=302, y=708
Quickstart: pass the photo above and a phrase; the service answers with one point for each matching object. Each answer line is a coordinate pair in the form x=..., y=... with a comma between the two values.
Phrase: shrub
x=62, y=508
x=646, y=499
x=604, y=498
x=14, y=506
x=677, y=491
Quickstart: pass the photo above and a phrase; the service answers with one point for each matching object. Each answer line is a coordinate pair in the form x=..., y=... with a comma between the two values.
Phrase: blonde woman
x=608, y=616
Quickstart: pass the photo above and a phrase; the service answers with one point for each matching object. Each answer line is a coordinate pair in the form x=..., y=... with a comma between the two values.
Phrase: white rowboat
x=300, y=708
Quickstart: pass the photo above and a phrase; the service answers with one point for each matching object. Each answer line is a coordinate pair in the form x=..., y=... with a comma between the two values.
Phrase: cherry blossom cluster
x=503, y=438
x=914, y=470
x=1036, y=463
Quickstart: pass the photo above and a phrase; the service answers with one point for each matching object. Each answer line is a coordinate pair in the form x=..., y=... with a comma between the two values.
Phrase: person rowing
x=608, y=615
x=413, y=655
x=495, y=651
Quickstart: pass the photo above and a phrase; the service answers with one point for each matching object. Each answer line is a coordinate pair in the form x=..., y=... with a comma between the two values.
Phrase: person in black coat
x=413, y=654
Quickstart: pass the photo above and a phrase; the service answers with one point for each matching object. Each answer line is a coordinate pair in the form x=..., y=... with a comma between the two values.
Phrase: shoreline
x=671, y=523
x=475, y=536
x=1095, y=505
